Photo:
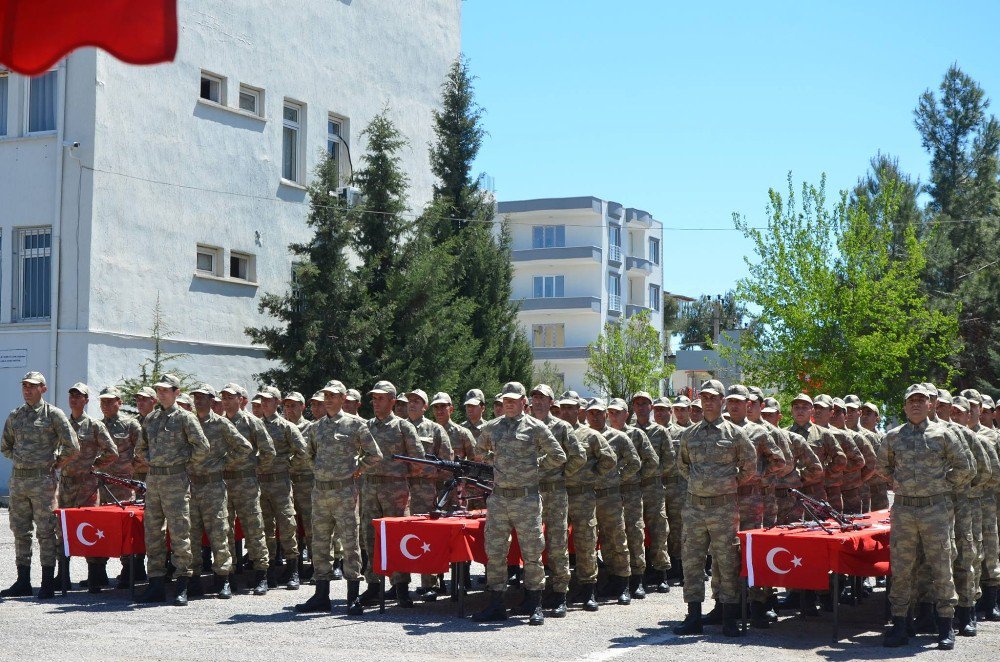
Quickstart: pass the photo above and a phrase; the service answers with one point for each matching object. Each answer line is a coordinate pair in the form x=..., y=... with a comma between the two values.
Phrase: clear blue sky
x=692, y=111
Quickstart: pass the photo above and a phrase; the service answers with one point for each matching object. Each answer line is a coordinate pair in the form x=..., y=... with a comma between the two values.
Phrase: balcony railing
x=615, y=254
x=615, y=303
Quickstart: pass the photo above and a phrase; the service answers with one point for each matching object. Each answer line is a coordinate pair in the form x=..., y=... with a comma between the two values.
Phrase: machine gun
x=465, y=474
x=821, y=511
x=104, y=479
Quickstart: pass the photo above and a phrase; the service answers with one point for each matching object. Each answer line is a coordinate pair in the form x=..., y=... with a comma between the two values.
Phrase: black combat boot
x=692, y=623
x=807, y=604
x=140, y=568
x=964, y=624
x=206, y=559
x=588, y=596
x=181, y=596
x=306, y=570
x=730, y=619
x=494, y=610
x=559, y=609
x=620, y=590
x=93, y=584
x=223, y=590
x=534, y=608
x=792, y=600
x=661, y=584
x=122, y=580
x=63, y=578
x=992, y=608
x=758, y=616
x=48, y=587
x=714, y=617
x=273, y=572
x=945, y=634
x=403, y=598
x=154, y=591
x=22, y=587
x=338, y=569
x=925, y=622
x=371, y=594
x=319, y=602
x=896, y=635
x=514, y=573
x=290, y=576
x=260, y=582
x=354, y=606
x=195, y=589
x=636, y=588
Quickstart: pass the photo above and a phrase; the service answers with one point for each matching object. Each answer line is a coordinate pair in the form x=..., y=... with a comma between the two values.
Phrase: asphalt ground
x=82, y=626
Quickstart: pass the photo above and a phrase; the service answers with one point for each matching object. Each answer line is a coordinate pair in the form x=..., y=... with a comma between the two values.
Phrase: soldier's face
x=474, y=412
x=986, y=417
x=618, y=418
x=822, y=415
x=202, y=403
x=498, y=409
x=166, y=395
x=351, y=406
x=77, y=401
x=771, y=417
x=513, y=407
x=540, y=404
x=230, y=403
x=943, y=410
x=869, y=419
x=683, y=414
x=442, y=412
x=959, y=416
x=382, y=404
x=256, y=409
x=697, y=414
x=974, y=411
x=268, y=406
x=569, y=413
x=32, y=393
x=415, y=407
x=916, y=408
x=597, y=418
x=853, y=415
x=293, y=409
x=802, y=411
x=332, y=403
x=110, y=406
x=753, y=409
x=642, y=408
x=711, y=406
x=662, y=415
x=217, y=406
x=838, y=417
x=400, y=409
x=737, y=408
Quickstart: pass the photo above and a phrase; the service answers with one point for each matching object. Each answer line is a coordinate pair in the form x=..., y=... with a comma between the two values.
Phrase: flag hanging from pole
x=35, y=34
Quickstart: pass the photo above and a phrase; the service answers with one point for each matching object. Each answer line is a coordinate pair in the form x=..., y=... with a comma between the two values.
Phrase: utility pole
x=716, y=318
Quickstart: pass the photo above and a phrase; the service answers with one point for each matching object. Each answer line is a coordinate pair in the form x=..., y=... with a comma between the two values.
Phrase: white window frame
x=216, y=253
x=258, y=96
x=655, y=298
x=299, y=126
x=558, y=283
x=654, y=250
x=218, y=80
x=26, y=105
x=251, y=266
x=548, y=336
x=20, y=255
x=613, y=232
x=548, y=236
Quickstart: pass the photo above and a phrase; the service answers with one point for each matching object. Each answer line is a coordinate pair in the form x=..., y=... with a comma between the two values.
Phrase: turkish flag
x=791, y=562
x=35, y=34
x=410, y=545
x=103, y=532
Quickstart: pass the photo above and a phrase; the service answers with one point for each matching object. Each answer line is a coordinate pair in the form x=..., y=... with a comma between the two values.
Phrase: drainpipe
x=53, y=378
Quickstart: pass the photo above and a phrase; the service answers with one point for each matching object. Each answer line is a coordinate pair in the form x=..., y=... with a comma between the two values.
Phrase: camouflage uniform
x=303, y=481
x=632, y=501
x=803, y=468
x=855, y=463
x=610, y=510
x=243, y=489
x=674, y=495
x=35, y=439
x=171, y=438
x=338, y=446
x=276, y=487
x=555, y=502
x=654, y=508
x=582, y=500
x=968, y=539
x=124, y=431
x=475, y=429
x=462, y=441
x=830, y=455
x=876, y=488
x=423, y=480
x=988, y=572
x=209, y=514
x=855, y=480
x=77, y=486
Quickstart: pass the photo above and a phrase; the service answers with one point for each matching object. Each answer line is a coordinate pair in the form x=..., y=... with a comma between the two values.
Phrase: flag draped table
x=35, y=34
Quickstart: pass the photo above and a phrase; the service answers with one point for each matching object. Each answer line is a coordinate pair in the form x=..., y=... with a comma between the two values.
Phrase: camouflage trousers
x=852, y=500
x=278, y=512
x=244, y=502
x=879, y=495
x=302, y=489
x=381, y=496
x=770, y=506
x=611, y=531
x=582, y=515
x=78, y=491
x=555, y=516
x=210, y=518
x=977, y=539
x=32, y=506
x=423, y=500
x=789, y=508
x=335, y=508
x=966, y=554
x=926, y=529
x=815, y=490
x=710, y=526
x=990, y=573
x=654, y=514
x=168, y=507
x=835, y=496
x=674, y=496
x=635, y=527
x=523, y=514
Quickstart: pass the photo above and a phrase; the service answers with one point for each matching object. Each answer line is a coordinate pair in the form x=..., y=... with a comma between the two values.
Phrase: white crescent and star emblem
x=424, y=547
x=796, y=561
x=82, y=539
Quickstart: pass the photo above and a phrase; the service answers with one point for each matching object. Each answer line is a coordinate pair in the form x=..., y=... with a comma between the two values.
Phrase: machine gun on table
x=465, y=474
x=821, y=511
x=104, y=479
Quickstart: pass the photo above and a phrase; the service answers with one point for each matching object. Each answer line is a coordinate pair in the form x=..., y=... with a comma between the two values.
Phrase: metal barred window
x=32, y=298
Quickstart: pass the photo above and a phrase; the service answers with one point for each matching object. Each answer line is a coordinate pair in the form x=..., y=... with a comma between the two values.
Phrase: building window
x=251, y=100
x=42, y=103
x=548, y=236
x=655, y=297
x=549, y=286
x=208, y=260
x=654, y=250
x=4, y=86
x=615, y=235
x=334, y=138
x=548, y=335
x=291, y=135
x=213, y=88
x=33, y=257
x=242, y=266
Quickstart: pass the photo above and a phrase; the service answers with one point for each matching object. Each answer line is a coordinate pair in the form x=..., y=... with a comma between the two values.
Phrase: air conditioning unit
x=350, y=195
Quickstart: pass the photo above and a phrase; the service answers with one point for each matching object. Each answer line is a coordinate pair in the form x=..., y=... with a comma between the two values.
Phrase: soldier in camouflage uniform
x=475, y=405
x=317, y=406
x=209, y=499
x=985, y=517
x=822, y=413
x=697, y=413
x=145, y=403
x=276, y=488
x=631, y=490
x=716, y=458
x=878, y=489
x=386, y=492
x=171, y=438
x=853, y=480
x=610, y=510
x=78, y=488
x=674, y=484
x=340, y=445
x=821, y=441
x=352, y=403
x=463, y=443
x=242, y=486
x=37, y=438
x=925, y=466
x=990, y=605
x=301, y=474
x=803, y=468
x=654, y=509
x=520, y=448
x=124, y=431
x=852, y=407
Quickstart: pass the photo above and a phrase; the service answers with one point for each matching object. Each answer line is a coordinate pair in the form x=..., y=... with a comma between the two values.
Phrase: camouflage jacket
x=301, y=464
x=628, y=464
x=124, y=431
x=224, y=441
x=659, y=437
x=434, y=440
x=826, y=448
x=394, y=436
x=462, y=441
x=716, y=458
x=520, y=448
x=923, y=460
x=648, y=458
x=288, y=442
x=858, y=477
x=171, y=437
x=600, y=458
x=97, y=449
x=576, y=454
x=803, y=466
x=38, y=437
x=771, y=461
x=253, y=430
x=339, y=445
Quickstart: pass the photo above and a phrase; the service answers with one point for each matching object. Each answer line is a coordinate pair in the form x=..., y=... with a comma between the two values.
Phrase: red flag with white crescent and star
x=35, y=34
x=405, y=545
x=791, y=562
x=101, y=532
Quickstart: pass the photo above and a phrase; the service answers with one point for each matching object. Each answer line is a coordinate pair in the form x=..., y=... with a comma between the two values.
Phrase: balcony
x=559, y=256
x=615, y=255
x=638, y=266
x=637, y=218
x=632, y=309
x=577, y=304
x=614, y=304
x=557, y=353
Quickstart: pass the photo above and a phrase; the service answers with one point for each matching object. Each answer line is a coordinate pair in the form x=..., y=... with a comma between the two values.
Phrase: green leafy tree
x=548, y=373
x=698, y=324
x=836, y=313
x=627, y=357
x=159, y=363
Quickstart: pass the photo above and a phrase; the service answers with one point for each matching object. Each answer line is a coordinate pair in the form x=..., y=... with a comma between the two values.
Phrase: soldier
x=39, y=439
x=386, y=492
x=716, y=458
x=401, y=408
x=475, y=405
x=582, y=500
x=821, y=441
x=925, y=465
x=276, y=488
x=519, y=447
x=654, y=509
x=822, y=414
x=78, y=488
x=877, y=487
x=242, y=486
x=498, y=405
x=171, y=438
x=853, y=480
x=340, y=445
x=463, y=443
x=257, y=410
x=852, y=408
x=674, y=484
x=301, y=473
x=145, y=403
x=803, y=468
x=352, y=403
x=124, y=431
x=610, y=510
x=631, y=491
x=555, y=502
x=987, y=420
x=754, y=404
x=209, y=511
x=423, y=480
x=317, y=408
x=697, y=414
x=217, y=406
x=985, y=517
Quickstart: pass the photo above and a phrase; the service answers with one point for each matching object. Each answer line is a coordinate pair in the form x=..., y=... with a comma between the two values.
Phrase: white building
x=118, y=183
x=578, y=264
